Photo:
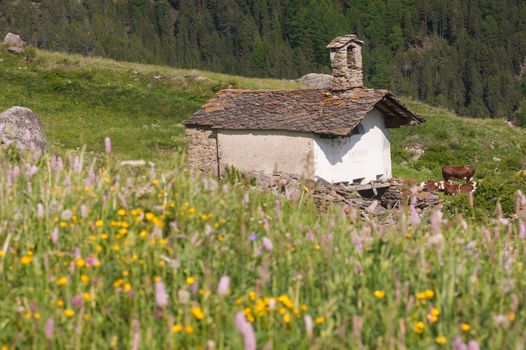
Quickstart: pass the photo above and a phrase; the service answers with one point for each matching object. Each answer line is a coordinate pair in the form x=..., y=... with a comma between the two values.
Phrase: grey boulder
x=316, y=81
x=13, y=40
x=22, y=127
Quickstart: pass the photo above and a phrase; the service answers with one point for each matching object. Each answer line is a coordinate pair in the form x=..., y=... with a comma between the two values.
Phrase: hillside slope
x=81, y=100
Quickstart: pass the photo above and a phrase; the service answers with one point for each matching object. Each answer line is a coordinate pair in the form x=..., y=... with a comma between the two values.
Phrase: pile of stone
x=376, y=198
x=14, y=43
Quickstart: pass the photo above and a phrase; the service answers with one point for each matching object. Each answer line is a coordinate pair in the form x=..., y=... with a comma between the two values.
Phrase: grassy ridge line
x=87, y=62
x=81, y=100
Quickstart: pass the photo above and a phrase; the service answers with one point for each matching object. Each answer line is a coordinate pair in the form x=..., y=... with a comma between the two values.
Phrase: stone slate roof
x=318, y=111
x=341, y=41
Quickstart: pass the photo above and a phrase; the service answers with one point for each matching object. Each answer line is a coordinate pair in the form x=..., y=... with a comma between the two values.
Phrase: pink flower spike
x=522, y=229
x=40, y=210
x=50, y=329
x=107, y=145
x=54, y=235
x=223, y=286
x=267, y=243
x=246, y=330
x=309, y=325
x=473, y=345
x=415, y=219
x=161, y=298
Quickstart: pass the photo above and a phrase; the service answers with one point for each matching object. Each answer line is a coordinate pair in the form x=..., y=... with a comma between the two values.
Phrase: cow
x=451, y=189
x=467, y=188
x=430, y=186
x=454, y=189
x=464, y=172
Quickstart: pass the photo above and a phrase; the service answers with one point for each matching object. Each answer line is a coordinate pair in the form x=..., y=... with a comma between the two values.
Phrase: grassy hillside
x=81, y=100
x=94, y=256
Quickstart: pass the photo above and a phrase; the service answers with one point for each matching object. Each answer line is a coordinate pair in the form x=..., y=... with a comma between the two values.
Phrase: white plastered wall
x=267, y=151
x=366, y=156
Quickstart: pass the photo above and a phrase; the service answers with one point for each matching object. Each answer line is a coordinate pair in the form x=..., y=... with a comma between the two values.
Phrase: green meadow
x=95, y=255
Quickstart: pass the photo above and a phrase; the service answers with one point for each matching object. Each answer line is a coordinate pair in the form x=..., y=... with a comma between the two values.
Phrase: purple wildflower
x=436, y=221
x=40, y=210
x=277, y=208
x=107, y=145
x=253, y=236
x=415, y=219
x=246, y=330
x=458, y=344
x=161, y=298
x=223, y=286
x=77, y=300
x=136, y=338
x=83, y=211
x=267, y=243
x=309, y=325
x=91, y=261
x=30, y=171
x=50, y=329
x=473, y=345
x=54, y=235
x=522, y=229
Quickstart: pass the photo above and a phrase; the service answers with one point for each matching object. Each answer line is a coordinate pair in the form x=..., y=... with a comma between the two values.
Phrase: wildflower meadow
x=94, y=255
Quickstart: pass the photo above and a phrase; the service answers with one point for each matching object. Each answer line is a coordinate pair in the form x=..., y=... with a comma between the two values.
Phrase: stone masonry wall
x=202, y=150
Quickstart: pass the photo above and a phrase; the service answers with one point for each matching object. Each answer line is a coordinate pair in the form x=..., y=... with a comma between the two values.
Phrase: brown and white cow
x=430, y=186
x=464, y=172
x=454, y=189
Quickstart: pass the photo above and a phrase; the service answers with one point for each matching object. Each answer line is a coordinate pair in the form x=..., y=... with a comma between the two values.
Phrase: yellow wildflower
x=121, y=212
x=432, y=318
x=379, y=294
x=60, y=303
x=429, y=293
x=155, y=182
x=188, y=329
x=62, y=281
x=319, y=320
x=511, y=316
x=26, y=260
x=286, y=318
x=197, y=313
x=285, y=300
x=99, y=223
x=79, y=262
x=441, y=340
x=69, y=313
x=465, y=327
x=87, y=296
x=435, y=311
x=419, y=327
x=84, y=279
x=177, y=328
x=252, y=295
x=421, y=296
x=190, y=280
x=36, y=315
x=127, y=287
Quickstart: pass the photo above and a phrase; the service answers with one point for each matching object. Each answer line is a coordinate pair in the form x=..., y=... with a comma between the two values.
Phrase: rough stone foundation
x=202, y=150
